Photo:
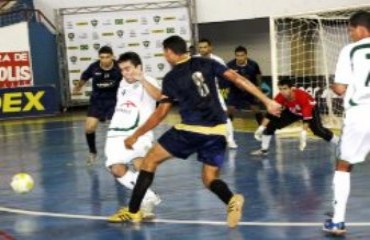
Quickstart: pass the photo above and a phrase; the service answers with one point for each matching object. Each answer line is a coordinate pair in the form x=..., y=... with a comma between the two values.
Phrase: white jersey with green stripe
x=353, y=70
x=134, y=106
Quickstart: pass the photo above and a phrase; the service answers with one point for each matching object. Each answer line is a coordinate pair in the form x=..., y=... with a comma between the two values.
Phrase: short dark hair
x=205, y=40
x=133, y=57
x=105, y=50
x=285, y=81
x=176, y=44
x=241, y=49
x=360, y=18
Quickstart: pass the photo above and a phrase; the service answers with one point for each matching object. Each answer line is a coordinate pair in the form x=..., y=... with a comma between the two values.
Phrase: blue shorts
x=102, y=109
x=181, y=144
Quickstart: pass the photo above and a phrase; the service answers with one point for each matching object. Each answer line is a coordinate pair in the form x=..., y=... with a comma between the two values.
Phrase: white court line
x=170, y=221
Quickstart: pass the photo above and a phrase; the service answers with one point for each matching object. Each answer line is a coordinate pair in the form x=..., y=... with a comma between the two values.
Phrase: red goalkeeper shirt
x=301, y=104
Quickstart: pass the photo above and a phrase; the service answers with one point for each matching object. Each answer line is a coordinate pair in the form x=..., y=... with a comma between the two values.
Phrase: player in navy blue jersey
x=202, y=130
x=237, y=98
x=105, y=76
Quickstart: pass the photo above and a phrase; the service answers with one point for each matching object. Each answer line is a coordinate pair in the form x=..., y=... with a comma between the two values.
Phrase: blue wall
x=44, y=55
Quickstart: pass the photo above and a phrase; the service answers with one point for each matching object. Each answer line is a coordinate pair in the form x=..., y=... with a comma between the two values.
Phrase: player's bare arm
x=272, y=107
x=78, y=87
x=158, y=115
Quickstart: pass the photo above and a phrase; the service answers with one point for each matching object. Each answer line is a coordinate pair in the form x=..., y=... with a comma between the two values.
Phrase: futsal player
x=202, y=130
x=105, y=76
x=136, y=101
x=298, y=105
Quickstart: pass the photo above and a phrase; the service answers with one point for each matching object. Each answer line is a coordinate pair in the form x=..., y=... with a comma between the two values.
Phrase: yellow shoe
x=124, y=215
x=235, y=210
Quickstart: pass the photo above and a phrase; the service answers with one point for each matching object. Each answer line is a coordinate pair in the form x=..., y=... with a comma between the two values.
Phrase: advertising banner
x=15, y=57
x=141, y=31
x=27, y=101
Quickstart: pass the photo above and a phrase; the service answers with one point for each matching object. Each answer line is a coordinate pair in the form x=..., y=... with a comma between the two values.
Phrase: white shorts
x=354, y=143
x=117, y=153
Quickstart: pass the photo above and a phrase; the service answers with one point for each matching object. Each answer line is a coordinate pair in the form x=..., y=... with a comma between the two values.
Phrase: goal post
x=305, y=49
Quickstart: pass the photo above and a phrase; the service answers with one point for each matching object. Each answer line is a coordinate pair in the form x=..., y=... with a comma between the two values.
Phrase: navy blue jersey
x=192, y=84
x=238, y=97
x=250, y=71
x=104, y=82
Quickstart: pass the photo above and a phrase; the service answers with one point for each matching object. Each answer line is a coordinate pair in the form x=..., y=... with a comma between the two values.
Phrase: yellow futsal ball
x=22, y=183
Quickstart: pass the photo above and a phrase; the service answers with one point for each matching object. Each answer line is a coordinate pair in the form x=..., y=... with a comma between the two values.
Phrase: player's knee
x=89, y=128
x=343, y=166
x=118, y=170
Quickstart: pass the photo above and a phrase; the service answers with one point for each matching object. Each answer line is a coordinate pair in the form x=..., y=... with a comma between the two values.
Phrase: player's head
x=285, y=87
x=128, y=62
x=241, y=55
x=174, y=49
x=359, y=25
x=106, y=56
x=205, y=47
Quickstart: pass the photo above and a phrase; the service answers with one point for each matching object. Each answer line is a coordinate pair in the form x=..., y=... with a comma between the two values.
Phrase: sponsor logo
x=147, y=56
x=120, y=33
x=144, y=21
x=95, y=36
x=146, y=43
x=160, y=66
x=107, y=34
x=158, y=31
x=156, y=19
x=82, y=36
x=133, y=20
x=133, y=44
x=183, y=30
x=148, y=68
x=96, y=46
x=82, y=23
x=121, y=45
x=169, y=18
x=69, y=25
x=84, y=47
x=119, y=21
x=75, y=71
x=107, y=22
x=170, y=30
x=132, y=33
x=183, y=18
x=85, y=59
x=72, y=48
x=13, y=102
x=158, y=54
x=145, y=32
x=73, y=59
x=71, y=36
x=94, y=22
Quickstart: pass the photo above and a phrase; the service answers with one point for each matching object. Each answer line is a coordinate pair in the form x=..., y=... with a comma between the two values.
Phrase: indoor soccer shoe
x=235, y=210
x=124, y=215
x=337, y=229
x=91, y=159
x=259, y=152
x=148, y=206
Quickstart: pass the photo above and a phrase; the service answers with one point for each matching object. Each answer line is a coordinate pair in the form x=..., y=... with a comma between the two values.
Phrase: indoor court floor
x=287, y=193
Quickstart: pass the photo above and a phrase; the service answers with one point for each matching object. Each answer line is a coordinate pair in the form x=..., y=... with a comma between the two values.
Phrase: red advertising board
x=15, y=69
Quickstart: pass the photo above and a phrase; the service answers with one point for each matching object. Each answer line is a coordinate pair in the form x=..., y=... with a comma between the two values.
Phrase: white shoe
x=148, y=206
x=91, y=159
x=259, y=152
x=232, y=144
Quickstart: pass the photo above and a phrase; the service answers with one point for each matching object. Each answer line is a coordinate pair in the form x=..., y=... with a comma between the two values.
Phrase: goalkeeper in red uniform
x=297, y=105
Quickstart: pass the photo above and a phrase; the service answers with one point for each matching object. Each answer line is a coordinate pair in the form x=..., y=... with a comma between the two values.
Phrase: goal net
x=305, y=49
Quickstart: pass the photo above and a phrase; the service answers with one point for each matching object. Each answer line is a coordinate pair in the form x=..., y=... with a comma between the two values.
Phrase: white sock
x=334, y=139
x=230, y=130
x=266, y=139
x=341, y=187
x=129, y=180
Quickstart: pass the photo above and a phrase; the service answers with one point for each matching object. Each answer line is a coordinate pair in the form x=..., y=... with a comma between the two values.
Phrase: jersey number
x=367, y=83
x=199, y=81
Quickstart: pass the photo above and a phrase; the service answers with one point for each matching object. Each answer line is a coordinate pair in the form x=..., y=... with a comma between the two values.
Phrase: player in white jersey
x=136, y=101
x=352, y=78
x=205, y=50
